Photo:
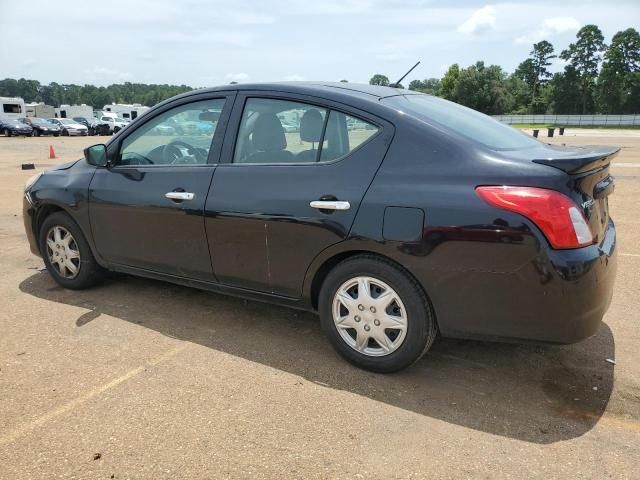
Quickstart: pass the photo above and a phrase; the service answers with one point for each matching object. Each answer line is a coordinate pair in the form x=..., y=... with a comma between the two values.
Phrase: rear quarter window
x=464, y=121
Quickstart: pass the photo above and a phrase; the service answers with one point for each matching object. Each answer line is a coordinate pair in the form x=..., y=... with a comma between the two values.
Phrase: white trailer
x=40, y=110
x=12, y=107
x=125, y=110
x=70, y=111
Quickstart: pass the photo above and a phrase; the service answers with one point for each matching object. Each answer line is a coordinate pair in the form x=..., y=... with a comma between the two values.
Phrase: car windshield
x=66, y=121
x=12, y=121
x=121, y=120
x=462, y=120
x=39, y=121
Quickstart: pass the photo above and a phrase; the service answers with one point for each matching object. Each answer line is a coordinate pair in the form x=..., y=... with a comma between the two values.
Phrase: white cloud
x=480, y=21
x=549, y=27
x=237, y=77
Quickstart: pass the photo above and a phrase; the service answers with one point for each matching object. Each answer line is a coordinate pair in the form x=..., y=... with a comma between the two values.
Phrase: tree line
x=57, y=94
x=597, y=78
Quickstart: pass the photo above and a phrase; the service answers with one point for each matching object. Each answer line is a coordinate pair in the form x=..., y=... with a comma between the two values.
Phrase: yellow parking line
x=41, y=420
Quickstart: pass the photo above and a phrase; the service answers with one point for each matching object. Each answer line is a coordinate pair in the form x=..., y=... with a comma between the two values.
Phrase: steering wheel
x=174, y=155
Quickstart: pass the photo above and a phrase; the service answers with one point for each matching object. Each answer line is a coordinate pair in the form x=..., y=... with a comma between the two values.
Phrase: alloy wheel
x=369, y=316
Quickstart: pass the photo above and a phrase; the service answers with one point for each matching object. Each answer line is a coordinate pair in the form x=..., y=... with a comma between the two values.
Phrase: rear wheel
x=375, y=314
x=67, y=254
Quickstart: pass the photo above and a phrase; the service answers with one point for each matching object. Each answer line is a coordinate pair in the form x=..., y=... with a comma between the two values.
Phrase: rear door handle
x=330, y=205
x=179, y=196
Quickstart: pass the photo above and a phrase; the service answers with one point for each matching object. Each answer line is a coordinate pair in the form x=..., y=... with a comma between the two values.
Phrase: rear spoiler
x=594, y=157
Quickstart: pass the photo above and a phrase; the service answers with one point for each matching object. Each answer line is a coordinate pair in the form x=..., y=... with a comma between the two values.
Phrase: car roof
x=325, y=89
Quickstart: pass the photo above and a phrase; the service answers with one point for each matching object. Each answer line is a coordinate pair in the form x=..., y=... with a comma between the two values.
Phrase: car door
x=288, y=187
x=146, y=209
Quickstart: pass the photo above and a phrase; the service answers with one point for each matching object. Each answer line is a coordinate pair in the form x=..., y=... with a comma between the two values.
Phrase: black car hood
x=63, y=166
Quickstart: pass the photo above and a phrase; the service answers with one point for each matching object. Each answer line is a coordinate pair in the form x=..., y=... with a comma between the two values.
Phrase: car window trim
x=114, y=146
x=328, y=105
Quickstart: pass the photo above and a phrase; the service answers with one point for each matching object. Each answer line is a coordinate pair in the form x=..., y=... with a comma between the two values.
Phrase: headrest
x=268, y=134
x=311, y=126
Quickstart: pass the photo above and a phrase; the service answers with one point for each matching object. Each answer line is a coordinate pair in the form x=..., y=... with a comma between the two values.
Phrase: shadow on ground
x=531, y=393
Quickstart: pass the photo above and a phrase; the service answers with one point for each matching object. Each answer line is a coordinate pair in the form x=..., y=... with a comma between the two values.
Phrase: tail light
x=555, y=214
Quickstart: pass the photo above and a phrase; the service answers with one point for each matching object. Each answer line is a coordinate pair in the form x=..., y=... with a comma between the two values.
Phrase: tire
x=65, y=133
x=88, y=271
x=36, y=133
x=7, y=132
x=56, y=134
x=403, y=348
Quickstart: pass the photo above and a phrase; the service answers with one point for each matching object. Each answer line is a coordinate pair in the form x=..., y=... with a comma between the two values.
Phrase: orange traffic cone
x=52, y=154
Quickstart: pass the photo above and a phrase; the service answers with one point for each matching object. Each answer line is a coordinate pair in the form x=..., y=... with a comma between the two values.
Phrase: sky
x=205, y=43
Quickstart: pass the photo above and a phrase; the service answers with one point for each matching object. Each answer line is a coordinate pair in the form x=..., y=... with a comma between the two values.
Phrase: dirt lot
x=141, y=379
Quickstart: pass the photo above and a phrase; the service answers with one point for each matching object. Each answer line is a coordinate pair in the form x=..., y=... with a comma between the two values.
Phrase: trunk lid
x=590, y=182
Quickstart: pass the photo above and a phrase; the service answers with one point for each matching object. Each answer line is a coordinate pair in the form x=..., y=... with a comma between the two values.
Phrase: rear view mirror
x=96, y=155
x=209, y=116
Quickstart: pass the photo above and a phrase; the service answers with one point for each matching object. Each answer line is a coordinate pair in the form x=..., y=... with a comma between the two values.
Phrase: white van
x=12, y=107
x=127, y=111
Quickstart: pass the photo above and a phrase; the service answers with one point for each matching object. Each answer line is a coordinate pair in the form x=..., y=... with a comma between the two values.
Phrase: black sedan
x=41, y=126
x=95, y=126
x=394, y=215
x=13, y=126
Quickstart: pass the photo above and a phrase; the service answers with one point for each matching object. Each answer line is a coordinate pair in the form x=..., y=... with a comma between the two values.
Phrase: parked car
x=41, y=126
x=89, y=122
x=115, y=124
x=13, y=126
x=69, y=126
x=433, y=218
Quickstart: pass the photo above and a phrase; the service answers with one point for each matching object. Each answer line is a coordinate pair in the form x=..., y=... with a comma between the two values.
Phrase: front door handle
x=330, y=205
x=179, y=196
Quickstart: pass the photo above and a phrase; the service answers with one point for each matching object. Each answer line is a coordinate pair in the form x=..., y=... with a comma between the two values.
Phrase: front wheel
x=375, y=314
x=7, y=132
x=67, y=254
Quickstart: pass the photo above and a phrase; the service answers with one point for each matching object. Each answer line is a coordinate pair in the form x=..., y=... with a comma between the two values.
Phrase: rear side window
x=464, y=121
x=281, y=131
x=344, y=134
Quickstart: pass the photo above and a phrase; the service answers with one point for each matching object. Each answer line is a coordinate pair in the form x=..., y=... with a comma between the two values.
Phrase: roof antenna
x=397, y=84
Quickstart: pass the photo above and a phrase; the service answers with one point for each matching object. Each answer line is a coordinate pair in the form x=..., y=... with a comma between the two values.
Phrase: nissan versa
x=394, y=215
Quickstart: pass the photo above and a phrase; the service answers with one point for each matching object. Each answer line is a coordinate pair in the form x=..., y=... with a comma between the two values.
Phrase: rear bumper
x=558, y=297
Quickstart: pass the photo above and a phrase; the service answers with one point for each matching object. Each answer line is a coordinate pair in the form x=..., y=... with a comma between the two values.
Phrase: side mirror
x=96, y=155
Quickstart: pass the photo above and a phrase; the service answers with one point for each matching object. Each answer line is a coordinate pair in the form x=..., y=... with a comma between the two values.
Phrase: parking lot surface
x=142, y=379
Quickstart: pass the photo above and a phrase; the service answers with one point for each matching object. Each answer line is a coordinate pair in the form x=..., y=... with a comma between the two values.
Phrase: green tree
x=448, y=82
x=428, y=85
x=584, y=57
x=541, y=55
x=617, y=79
x=564, y=95
x=483, y=88
x=379, y=79
x=344, y=81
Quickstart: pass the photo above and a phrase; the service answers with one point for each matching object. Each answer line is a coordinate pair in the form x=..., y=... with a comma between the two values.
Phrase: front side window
x=180, y=136
x=281, y=131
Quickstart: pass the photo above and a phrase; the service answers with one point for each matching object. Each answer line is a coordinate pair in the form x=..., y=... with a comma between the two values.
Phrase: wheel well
x=329, y=264
x=42, y=213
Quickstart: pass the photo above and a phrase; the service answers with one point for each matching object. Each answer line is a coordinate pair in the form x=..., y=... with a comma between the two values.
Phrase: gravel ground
x=142, y=379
